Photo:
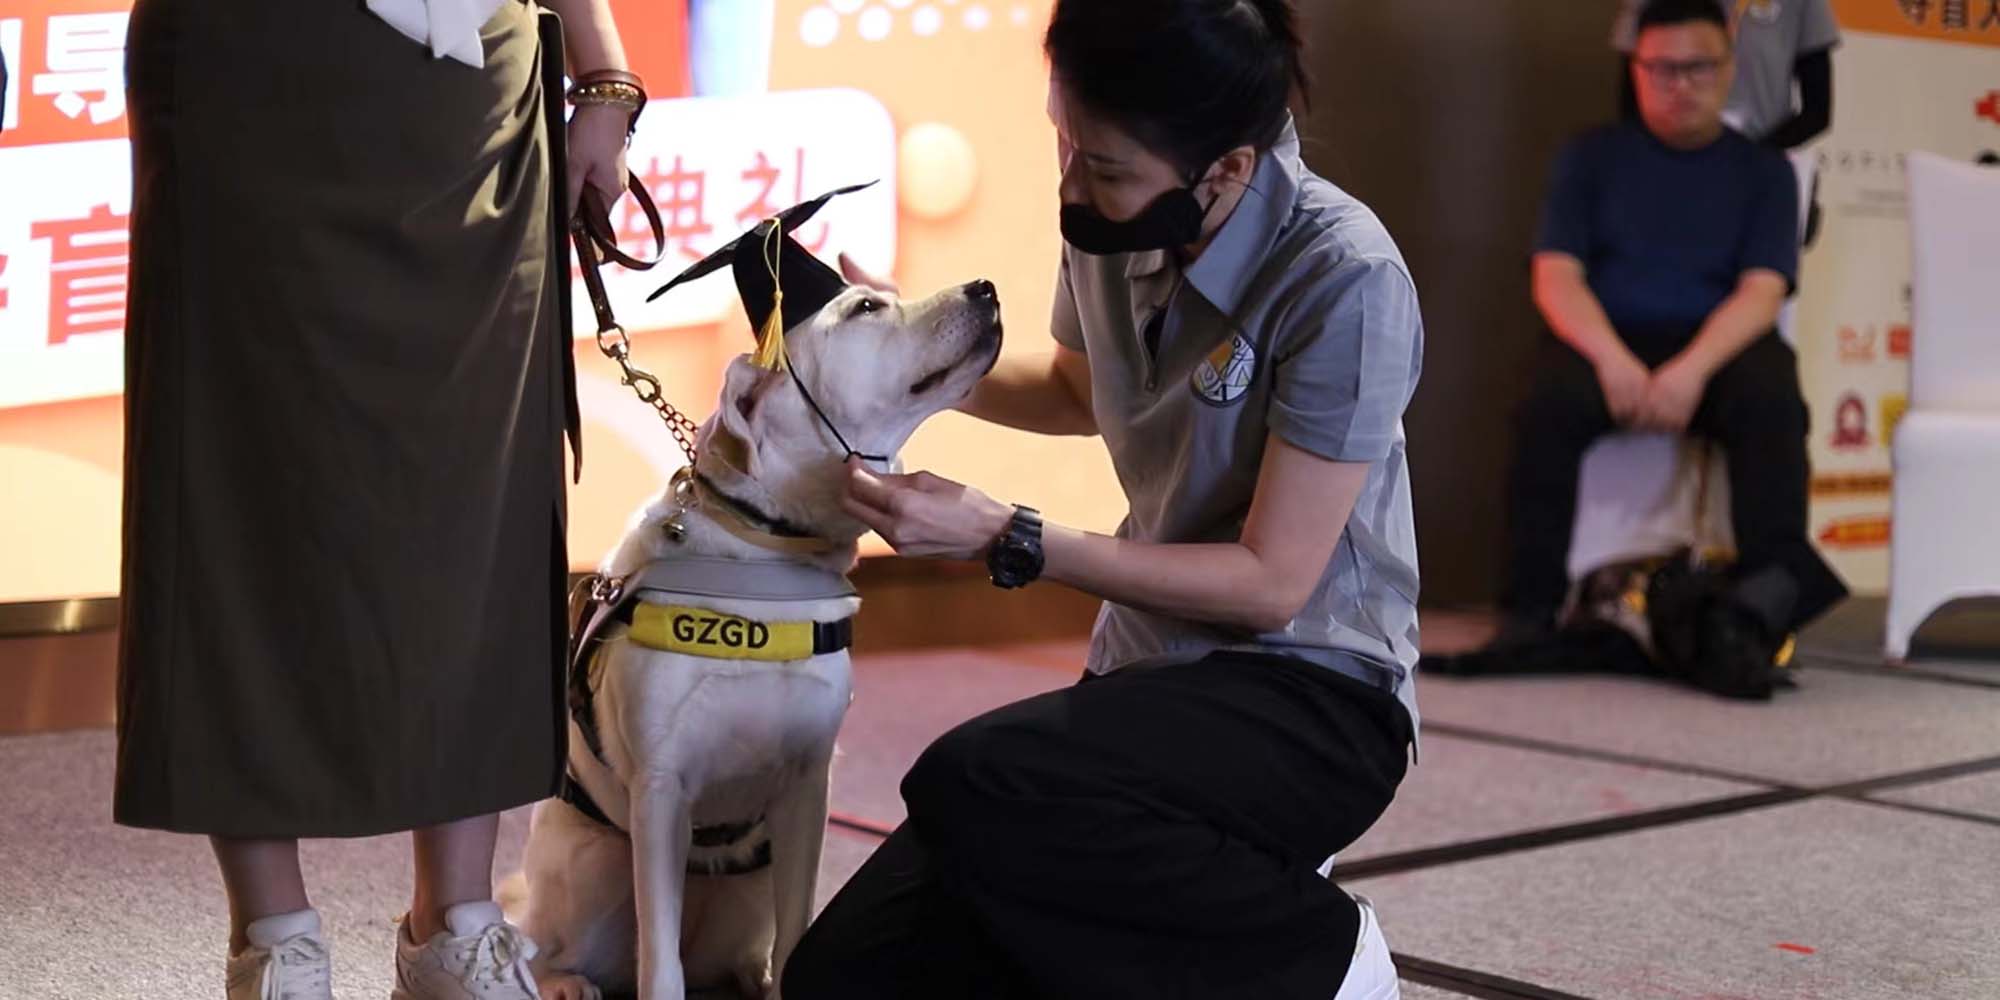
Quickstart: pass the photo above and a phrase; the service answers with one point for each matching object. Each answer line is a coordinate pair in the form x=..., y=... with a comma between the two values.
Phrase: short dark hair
x=1189, y=79
x=1669, y=13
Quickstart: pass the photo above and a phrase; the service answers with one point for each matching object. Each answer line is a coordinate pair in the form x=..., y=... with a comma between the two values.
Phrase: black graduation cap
x=775, y=275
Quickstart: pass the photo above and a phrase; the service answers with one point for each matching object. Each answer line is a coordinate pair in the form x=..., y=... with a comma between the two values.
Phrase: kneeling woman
x=1245, y=337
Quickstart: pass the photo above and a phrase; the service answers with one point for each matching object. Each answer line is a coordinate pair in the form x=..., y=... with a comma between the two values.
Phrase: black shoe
x=1470, y=664
x=1517, y=634
x=1738, y=656
x=1520, y=629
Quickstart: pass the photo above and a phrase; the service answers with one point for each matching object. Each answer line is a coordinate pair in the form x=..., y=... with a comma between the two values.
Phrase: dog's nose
x=982, y=291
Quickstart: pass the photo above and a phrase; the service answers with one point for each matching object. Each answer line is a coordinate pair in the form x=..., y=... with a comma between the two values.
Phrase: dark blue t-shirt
x=1665, y=235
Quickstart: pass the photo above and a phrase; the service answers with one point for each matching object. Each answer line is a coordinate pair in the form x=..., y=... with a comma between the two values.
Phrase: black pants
x=1752, y=407
x=1151, y=834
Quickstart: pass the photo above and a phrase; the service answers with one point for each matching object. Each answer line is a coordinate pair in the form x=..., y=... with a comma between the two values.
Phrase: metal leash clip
x=607, y=589
x=596, y=242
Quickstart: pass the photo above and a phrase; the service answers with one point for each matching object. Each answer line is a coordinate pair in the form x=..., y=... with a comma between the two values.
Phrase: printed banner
x=757, y=105
x=1909, y=75
x=708, y=193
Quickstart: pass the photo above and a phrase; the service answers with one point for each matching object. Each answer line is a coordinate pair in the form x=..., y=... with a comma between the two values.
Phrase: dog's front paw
x=567, y=986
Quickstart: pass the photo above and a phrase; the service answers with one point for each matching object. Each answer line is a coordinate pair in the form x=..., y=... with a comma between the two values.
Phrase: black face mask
x=1172, y=220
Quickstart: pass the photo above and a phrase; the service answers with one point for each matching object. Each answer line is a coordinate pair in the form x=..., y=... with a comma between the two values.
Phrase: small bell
x=686, y=498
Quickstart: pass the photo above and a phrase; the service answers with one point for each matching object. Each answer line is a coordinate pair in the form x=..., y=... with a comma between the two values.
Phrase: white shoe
x=1371, y=975
x=479, y=957
x=286, y=960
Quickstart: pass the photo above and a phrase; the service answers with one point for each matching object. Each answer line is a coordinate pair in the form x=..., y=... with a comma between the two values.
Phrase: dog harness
x=650, y=607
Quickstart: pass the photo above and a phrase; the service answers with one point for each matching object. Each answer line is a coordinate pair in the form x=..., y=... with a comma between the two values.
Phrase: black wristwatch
x=1015, y=560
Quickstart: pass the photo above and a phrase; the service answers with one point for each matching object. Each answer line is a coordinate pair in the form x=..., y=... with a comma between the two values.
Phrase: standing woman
x=1244, y=336
x=346, y=400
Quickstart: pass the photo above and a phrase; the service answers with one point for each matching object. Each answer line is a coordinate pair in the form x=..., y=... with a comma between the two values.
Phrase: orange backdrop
x=970, y=71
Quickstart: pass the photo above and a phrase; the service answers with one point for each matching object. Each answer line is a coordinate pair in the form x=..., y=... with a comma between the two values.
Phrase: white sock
x=470, y=919
x=269, y=931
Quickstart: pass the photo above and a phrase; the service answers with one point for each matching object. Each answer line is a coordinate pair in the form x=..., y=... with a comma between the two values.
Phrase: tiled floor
x=1581, y=837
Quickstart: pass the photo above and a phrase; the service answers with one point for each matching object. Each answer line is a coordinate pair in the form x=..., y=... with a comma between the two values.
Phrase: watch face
x=1013, y=557
x=1012, y=561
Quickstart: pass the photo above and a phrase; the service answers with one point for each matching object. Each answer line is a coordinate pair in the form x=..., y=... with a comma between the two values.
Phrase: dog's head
x=876, y=365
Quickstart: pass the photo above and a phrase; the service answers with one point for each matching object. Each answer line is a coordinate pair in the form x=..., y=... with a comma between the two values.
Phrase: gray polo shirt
x=1299, y=319
x=1771, y=35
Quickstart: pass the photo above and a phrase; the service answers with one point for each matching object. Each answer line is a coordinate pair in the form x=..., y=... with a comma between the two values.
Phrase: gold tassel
x=771, y=340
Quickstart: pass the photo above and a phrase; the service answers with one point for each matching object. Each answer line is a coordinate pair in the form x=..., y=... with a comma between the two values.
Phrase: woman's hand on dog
x=923, y=515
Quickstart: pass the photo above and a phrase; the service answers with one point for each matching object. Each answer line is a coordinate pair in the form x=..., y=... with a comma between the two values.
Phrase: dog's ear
x=731, y=450
x=744, y=390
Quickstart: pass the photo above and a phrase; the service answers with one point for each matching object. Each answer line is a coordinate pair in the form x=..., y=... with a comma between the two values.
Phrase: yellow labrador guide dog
x=710, y=670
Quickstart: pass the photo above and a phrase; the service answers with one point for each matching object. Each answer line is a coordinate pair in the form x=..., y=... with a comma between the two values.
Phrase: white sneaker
x=1371, y=975
x=286, y=960
x=480, y=957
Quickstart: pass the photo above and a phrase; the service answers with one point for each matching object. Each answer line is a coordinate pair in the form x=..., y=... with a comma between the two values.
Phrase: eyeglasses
x=1663, y=72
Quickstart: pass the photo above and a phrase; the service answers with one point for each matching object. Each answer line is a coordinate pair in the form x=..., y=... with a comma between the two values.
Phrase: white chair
x=1640, y=493
x=1945, y=544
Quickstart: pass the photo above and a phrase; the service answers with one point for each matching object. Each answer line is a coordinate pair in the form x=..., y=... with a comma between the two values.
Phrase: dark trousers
x=1150, y=834
x=1752, y=408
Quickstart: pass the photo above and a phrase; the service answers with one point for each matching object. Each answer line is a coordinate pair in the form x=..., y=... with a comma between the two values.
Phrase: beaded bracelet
x=613, y=87
x=621, y=94
x=612, y=76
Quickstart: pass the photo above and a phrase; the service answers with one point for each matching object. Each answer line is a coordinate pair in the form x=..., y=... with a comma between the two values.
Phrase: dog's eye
x=864, y=307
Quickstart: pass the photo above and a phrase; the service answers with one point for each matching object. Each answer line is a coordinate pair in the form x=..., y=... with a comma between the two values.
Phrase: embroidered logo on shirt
x=1225, y=375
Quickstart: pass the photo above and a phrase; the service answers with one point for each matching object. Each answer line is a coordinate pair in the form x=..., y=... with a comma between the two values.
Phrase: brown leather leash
x=596, y=243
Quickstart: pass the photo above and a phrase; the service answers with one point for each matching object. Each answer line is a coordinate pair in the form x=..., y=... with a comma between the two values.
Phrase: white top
x=449, y=27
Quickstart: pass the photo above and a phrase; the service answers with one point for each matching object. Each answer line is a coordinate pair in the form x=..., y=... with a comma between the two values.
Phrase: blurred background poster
x=758, y=104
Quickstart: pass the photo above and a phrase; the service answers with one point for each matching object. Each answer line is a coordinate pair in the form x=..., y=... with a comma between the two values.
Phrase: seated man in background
x=1782, y=92
x=1667, y=248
